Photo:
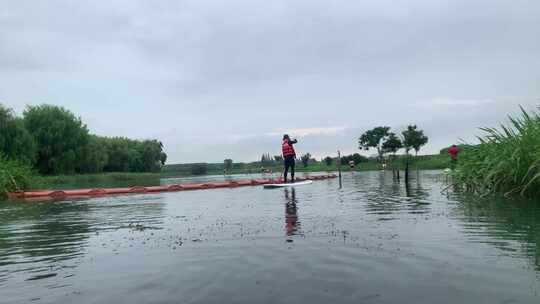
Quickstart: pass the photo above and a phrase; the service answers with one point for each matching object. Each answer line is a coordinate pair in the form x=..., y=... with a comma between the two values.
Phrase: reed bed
x=506, y=161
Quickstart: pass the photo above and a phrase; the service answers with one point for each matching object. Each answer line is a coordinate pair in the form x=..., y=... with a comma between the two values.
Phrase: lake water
x=373, y=241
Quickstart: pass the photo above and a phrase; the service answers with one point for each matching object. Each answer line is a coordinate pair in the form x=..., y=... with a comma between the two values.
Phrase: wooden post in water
x=407, y=171
x=339, y=167
x=395, y=169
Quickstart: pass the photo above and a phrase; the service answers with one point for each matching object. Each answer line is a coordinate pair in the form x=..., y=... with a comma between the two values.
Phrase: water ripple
x=316, y=243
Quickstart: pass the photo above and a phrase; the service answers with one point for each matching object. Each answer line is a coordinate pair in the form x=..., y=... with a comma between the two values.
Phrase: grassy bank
x=507, y=161
x=424, y=162
x=95, y=180
x=25, y=179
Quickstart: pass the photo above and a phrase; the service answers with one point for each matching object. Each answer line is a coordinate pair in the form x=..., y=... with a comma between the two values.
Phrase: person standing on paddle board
x=289, y=156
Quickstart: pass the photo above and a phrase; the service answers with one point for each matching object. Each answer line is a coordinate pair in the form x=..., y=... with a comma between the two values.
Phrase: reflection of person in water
x=292, y=224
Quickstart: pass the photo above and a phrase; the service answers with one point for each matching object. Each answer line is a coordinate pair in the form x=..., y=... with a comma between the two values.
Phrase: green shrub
x=506, y=161
x=13, y=176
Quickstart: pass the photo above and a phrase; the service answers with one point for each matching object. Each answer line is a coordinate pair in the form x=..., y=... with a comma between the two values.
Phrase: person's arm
x=294, y=141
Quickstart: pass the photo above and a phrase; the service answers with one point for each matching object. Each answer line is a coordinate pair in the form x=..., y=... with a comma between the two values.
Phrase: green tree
x=151, y=155
x=414, y=139
x=15, y=141
x=345, y=159
x=127, y=155
x=121, y=155
x=392, y=144
x=278, y=158
x=56, y=142
x=95, y=155
x=305, y=159
x=328, y=160
x=228, y=164
x=357, y=158
x=60, y=138
x=199, y=169
x=374, y=139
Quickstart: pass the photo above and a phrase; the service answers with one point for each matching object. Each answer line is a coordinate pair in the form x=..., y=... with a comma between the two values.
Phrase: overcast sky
x=225, y=79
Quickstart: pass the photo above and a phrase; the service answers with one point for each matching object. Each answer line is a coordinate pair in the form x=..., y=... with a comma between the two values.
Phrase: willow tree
x=15, y=141
x=60, y=137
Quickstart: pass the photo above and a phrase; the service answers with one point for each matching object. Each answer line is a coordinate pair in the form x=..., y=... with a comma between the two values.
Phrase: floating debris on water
x=42, y=276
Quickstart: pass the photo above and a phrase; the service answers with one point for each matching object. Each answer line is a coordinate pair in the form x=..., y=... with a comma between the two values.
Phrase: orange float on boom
x=45, y=195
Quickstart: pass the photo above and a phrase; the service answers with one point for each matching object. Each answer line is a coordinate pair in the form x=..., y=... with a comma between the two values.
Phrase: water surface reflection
x=292, y=223
x=316, y=244
x=43, y=240
x=511, y=226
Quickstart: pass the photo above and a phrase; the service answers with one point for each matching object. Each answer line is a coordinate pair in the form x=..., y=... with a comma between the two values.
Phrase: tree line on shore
x=387, y=142
x=380, y=138
x=52, y=140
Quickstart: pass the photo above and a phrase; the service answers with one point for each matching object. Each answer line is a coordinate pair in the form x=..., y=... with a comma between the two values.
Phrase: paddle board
x=271, y=186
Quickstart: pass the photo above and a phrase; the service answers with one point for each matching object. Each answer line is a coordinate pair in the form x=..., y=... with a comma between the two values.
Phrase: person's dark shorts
x=289, y=161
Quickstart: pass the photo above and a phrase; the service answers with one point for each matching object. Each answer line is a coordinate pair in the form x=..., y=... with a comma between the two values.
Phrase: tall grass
x=507, y=160
x=13, y=176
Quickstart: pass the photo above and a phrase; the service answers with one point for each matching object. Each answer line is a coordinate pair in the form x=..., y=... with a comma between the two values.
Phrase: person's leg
x=292, y=170
x=286, y=165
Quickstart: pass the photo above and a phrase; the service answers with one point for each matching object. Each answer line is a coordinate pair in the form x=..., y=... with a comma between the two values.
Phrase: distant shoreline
x=114, y=179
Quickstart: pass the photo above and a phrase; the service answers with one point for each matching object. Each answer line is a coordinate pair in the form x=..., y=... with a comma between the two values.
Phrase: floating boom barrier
x=46, y=195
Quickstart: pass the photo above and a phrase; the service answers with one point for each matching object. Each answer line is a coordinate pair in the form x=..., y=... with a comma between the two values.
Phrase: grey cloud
x=211, y=78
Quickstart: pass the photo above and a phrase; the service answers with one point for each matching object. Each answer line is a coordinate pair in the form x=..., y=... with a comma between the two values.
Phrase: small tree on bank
x=414, y=139
x=374, y=139
x=391, y=145
x=328, y=160
x=356, y=158
x=305, y=159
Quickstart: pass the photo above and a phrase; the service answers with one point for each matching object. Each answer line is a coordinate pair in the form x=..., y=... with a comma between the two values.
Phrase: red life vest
x=453, y=151
x=287, y=149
